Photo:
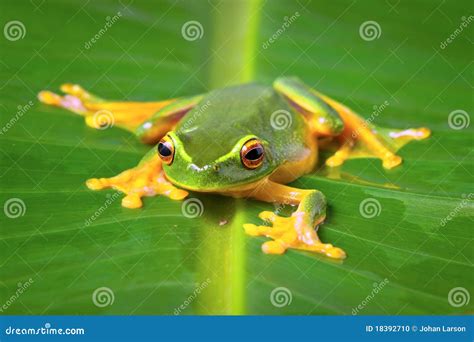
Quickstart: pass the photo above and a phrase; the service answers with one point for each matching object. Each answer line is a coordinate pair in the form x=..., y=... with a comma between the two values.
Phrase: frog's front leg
x=146, y=179
x=327, y=117
x=297, y=231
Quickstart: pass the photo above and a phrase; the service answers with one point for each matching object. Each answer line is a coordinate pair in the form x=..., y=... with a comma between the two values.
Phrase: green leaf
x=71, y=241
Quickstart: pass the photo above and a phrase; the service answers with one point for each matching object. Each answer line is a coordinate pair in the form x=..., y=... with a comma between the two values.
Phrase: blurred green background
x=153, y=259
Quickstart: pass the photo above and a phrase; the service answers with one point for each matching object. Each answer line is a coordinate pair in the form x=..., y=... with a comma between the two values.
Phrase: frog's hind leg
x=151, y=130
x=320, y=116
x=100, y=113
x=362, y=139
x=148, y=120
x=356, y=136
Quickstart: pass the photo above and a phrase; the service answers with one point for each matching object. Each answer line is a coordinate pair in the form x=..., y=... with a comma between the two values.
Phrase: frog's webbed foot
x=288, y=232
x=146, y=179
x=98, y=112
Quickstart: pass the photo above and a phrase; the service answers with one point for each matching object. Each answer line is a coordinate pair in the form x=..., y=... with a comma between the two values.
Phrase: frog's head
x=249, y=160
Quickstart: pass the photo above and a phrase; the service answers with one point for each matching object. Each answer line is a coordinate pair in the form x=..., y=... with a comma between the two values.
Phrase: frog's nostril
x=216, y=167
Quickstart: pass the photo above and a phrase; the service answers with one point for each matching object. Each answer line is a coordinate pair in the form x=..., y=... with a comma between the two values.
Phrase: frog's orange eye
x=252, y=154
x=166, y=150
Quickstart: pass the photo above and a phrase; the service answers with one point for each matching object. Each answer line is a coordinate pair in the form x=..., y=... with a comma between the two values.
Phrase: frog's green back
x=226, y=115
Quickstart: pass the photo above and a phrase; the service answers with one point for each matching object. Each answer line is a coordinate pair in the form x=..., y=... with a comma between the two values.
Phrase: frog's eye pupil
x=255, y=153
x=252, y=154
x=166, y=150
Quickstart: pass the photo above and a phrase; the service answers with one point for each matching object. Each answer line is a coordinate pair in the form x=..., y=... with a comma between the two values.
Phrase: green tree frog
x=242, y=141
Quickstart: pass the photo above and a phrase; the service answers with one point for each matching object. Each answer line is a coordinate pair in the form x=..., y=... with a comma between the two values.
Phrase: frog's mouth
x=235, y=188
